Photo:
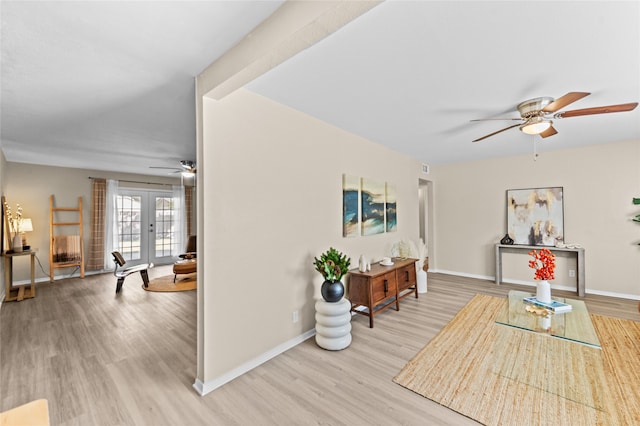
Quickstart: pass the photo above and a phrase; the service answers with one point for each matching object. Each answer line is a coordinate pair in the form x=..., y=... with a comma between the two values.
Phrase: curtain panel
x=188, y=207
x=96, y=239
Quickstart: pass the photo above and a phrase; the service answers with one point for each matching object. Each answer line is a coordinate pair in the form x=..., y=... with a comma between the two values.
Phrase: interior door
x=146, y=231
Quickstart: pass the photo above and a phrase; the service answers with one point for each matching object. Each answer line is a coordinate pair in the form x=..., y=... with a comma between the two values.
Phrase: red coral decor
x=544, y=262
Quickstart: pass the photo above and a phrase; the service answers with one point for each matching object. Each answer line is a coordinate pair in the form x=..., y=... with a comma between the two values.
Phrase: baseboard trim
x=204, y=388
x=462, y=274
x=46, y=279
x=530, y=284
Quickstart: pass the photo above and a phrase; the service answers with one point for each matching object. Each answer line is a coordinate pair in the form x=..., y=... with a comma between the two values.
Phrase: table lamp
x=25, y=226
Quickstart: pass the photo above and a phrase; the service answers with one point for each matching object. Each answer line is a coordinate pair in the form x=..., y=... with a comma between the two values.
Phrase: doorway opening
x=426, y=216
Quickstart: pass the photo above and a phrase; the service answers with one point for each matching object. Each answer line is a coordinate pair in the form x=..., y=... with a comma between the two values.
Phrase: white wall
x=273, y=201
x=599, y=183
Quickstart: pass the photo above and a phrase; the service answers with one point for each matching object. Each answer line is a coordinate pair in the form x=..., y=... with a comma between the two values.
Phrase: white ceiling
x=109, y=85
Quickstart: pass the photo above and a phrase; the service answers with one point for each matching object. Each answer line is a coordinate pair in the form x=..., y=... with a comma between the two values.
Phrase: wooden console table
x=18, y=293
x=579, y=252
x=377, y=289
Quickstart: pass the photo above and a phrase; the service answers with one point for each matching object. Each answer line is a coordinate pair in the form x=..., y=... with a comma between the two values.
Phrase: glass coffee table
x=574, y=326
x=559, y=354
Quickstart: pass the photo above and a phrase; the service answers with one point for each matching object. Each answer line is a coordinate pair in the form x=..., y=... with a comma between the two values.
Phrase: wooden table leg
x=20, y=293
x=7, y=278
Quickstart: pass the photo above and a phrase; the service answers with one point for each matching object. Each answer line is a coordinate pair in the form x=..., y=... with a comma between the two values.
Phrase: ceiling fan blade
x=489, y=119
x=563, y=101
x=549, y=132
x=597, y=110
x=166, y=168
x=495, y=133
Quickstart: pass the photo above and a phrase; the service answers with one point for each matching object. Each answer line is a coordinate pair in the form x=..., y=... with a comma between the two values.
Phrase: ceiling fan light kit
x=535, y=126
x=188, y=165
x=536, y=114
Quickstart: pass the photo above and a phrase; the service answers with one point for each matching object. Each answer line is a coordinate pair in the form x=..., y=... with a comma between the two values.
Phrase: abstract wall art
x=372, y=206
x=390, y=208
x=535, y=216
x=368, y=206
x=350, y=206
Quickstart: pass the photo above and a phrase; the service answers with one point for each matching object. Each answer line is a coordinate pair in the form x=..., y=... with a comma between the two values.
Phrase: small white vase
x=362, y=264
x=421, y=277
x=17, y=243
x=543, y=291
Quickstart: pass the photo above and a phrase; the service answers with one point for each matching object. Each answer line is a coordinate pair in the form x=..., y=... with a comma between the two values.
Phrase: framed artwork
x=372, y=206
x=350, y=206
x=535, y=217
x=390, y=208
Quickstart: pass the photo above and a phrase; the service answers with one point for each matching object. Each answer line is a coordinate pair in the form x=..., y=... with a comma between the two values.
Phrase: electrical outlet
x=572, y=273
x=294, y=316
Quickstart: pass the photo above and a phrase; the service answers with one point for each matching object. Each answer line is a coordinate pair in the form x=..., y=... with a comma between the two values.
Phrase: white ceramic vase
x=17, y=243
x=362, y=264
x=421, y=277
x=543, y=291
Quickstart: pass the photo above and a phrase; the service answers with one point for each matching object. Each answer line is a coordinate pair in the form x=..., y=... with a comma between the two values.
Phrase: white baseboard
x=204, y=388
x=530, y=284
x=611, y=294
x=76, y=274
x=462, y=274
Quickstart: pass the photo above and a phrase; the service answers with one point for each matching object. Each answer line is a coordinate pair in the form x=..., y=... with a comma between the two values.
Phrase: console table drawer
x=383, y=287
x=406, y=278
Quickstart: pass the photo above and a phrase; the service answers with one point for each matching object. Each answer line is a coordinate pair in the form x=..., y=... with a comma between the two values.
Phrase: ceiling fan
x=186, y=166
x=536, y=114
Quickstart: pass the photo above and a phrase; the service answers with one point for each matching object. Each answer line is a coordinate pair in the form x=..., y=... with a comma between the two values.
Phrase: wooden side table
x=17, y=293
x=383, y=286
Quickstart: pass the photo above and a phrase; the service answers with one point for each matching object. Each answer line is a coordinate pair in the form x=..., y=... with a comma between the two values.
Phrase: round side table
x=333, y=324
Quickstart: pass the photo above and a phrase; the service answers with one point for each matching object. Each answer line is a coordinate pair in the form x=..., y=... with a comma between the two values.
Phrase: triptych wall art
x=535, y=217
x=368, y=206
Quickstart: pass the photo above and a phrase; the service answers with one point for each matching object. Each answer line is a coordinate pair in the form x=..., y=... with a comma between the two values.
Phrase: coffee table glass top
x=574, y=326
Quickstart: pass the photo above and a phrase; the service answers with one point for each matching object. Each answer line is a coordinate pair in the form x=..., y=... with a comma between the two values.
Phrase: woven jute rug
x=164, y=284
x=498, y=375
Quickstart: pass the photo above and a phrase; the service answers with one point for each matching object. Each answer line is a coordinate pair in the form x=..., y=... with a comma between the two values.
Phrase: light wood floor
x=130, y=360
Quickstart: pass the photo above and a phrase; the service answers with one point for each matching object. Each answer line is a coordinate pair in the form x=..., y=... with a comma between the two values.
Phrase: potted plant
x=332, y=265
x=14, y=227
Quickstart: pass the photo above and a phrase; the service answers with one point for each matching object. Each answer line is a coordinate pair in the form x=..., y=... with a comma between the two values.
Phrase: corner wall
x=599, y=183
x=273, y=201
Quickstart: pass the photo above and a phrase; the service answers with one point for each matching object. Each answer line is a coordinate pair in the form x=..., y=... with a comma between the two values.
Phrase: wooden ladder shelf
x=77, y=260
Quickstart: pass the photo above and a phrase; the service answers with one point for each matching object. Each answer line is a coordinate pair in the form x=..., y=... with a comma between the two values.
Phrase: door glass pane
x=165, y=235
x=129, y=226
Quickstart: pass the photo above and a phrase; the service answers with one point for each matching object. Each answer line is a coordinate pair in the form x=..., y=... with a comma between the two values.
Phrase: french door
x=145, y=226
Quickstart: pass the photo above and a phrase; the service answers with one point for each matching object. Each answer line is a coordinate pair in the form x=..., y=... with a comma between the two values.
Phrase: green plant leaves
x=332, y=264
